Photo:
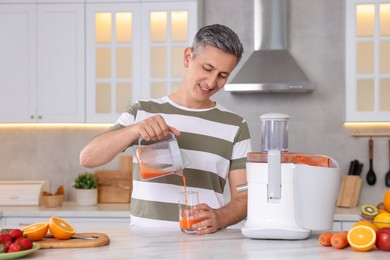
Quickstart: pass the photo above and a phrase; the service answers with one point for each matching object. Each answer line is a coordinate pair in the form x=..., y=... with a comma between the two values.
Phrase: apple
x=15, y=247
x=15, y=233
x=383, y=239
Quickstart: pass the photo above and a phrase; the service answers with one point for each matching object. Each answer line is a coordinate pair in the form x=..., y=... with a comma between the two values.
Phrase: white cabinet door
x=171, y=27
x=61, y=86
x=135, y=50
x=113, y=59
x=42, y=63
x=17, y=62
x=367, y=61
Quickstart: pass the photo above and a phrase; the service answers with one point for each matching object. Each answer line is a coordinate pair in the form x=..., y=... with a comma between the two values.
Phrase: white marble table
x=226, y=244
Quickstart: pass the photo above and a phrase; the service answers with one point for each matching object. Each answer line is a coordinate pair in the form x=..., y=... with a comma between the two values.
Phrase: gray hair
x=219, y=36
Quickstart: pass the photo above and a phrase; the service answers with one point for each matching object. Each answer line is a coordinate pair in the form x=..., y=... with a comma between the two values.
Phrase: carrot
x=339, y=240
x=324, y=238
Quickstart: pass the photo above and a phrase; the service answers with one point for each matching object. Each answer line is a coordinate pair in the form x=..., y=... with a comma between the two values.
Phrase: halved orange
x=60, y=228
x=366, y=223
x=362, y=238
x=36, y=231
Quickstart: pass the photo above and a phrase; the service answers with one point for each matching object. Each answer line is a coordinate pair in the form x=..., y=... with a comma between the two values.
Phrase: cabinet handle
x=39, y=117
x=32, y=117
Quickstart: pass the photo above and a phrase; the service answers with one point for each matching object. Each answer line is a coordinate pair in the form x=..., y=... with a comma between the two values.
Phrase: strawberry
x=15, y=247
x=7, y=244
x=15, y=233
x=26, y=243
x=5, y=237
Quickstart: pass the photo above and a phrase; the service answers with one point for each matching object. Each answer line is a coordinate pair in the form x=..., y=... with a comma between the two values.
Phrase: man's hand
x=209, y=223
x=155, y=128
x=232, y=213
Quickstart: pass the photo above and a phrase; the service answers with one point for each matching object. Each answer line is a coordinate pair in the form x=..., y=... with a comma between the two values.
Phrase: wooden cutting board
x=77, y=241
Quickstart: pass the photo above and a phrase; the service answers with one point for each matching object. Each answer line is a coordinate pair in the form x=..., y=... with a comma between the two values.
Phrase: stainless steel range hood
x=270, y=68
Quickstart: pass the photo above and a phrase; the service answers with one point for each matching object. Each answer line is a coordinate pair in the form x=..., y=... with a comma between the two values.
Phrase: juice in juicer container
x=289, y=194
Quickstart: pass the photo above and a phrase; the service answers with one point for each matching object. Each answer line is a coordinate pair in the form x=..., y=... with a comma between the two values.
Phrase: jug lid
x=275, y=116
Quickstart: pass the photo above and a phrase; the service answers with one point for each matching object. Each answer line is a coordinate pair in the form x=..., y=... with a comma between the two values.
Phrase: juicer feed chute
x=274, y=141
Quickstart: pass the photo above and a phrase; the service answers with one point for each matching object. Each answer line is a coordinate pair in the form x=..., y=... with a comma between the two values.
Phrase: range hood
x=270, y=68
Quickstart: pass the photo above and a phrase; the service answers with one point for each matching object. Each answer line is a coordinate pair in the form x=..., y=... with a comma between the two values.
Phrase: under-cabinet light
x=367, y=124
x=55, y=125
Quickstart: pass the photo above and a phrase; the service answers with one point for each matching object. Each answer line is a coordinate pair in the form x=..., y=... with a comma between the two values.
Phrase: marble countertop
x=225, y=244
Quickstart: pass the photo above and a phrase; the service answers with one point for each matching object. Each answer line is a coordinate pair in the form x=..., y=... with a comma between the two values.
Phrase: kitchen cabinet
x=108, y=214
x=134, y=51
x=42, y=61
x=88, y=60
x=339, y=226
x=345, y=218
x=367, y=61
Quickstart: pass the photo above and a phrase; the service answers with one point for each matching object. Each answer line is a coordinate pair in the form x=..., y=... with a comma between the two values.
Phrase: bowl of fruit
x=13, y=244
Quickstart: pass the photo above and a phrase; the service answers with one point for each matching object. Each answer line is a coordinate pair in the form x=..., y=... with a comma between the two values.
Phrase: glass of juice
x=187, y=200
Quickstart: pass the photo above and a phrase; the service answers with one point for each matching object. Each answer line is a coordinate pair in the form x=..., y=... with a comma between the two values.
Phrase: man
x=215, y=139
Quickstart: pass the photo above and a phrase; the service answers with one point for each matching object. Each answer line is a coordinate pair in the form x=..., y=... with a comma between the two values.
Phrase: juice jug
x=160, y=158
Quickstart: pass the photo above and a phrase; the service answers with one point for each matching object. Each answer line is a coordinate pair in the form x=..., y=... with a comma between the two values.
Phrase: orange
x=386, y=200
x=60, y=228
x=362, y=238
x=36, y=231
x=366, y=223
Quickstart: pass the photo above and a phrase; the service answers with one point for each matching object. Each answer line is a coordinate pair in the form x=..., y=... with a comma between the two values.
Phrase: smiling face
x=207, y=73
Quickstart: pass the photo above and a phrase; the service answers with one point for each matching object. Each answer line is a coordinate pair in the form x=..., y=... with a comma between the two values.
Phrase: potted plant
x=86, y=189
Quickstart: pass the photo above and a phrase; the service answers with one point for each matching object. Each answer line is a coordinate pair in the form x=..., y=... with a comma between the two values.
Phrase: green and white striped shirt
x=215, y=140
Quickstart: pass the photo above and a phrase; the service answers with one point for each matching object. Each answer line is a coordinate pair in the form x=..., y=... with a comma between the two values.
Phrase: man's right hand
x=155, y=128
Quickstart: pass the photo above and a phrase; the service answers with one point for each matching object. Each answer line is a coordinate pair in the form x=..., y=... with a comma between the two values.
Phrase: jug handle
x=141, y=138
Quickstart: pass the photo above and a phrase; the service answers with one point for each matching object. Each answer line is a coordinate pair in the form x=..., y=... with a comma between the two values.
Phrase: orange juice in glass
x=187, y=200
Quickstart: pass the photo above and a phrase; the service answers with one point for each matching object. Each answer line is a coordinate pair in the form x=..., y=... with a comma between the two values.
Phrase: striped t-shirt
x=215, y=140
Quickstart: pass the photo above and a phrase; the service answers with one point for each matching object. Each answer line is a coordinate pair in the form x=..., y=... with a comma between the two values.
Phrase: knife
x=359, y=169
x=92, y=237
x=351, y=168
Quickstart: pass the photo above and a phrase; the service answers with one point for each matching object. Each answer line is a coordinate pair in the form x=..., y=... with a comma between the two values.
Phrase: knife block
x=349, y=191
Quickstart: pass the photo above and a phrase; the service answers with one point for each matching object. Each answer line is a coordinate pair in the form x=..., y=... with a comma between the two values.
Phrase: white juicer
x=289, y=194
